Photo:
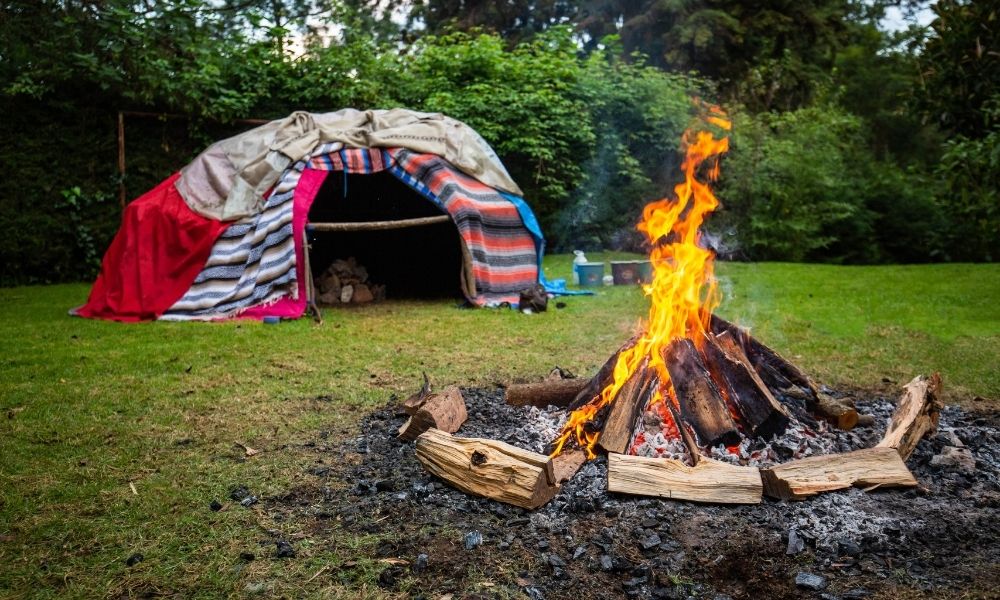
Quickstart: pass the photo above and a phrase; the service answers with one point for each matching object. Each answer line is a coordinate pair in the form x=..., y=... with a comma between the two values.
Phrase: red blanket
x=161, y=247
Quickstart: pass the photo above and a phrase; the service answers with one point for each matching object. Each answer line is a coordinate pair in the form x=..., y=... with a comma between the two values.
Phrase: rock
x=331, y=297
x=795, y=542
x=134, y=560
x=848, y=547
x=854, y=594
x=216, y=506
x=955, y=459
x=534, y=593
x=239, y=493
x=580, y=551
x=650, y=542
x=542, y=545
x=362, y=294
x=248, y=501
x=607, y=564
x=284, y=550
x=420, y=565
x=810, y=581
x=473, y=539
x=556, y=561
x=346, y=293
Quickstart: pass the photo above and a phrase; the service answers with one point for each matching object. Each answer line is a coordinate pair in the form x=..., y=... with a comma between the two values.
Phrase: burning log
x=625, y=410
x=445, y=411
x=603, y=378
x=806, y=477
x=489, y=468
x=783, y=376
x=701, y=404
x=708, y=481
x=551, y=392
x=916, y=415
x=760, y=413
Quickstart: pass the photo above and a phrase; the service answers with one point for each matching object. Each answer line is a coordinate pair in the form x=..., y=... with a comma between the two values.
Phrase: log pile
x=346, y=282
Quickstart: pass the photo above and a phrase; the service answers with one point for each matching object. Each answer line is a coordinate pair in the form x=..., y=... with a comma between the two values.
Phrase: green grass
x=88, y=408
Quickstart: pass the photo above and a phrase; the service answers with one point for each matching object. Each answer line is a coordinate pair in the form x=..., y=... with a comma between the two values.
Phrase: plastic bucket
x=631, y=272
x=591, y=274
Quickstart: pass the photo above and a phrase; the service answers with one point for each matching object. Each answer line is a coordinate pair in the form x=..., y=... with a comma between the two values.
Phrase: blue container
x=272, y=320
x=591, y=274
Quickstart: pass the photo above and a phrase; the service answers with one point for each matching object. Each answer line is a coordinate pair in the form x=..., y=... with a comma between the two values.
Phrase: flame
x=683, y=291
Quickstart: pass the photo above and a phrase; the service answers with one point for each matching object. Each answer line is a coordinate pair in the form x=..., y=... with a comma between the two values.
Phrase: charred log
x=625, y=410
x=603, y=378
x=551, y=392
x=760, y=414
x=701, y=404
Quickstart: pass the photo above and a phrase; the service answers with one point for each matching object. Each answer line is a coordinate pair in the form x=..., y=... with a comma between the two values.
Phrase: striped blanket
x=253, y=262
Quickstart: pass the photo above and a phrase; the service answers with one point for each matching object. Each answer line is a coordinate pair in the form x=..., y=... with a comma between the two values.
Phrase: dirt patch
x=426, y=539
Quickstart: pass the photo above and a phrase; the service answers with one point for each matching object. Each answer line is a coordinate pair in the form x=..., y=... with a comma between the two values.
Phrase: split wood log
x=916, y=415
x=603, y=378
x=414, y=402
x=782, y=376
x=761, y=415
x=626, y=408
x=551, y=392
x=445, y=411
x=708, y=481
x=701, y=404
x=489, y=468
x=567, y=464
x=806, y=477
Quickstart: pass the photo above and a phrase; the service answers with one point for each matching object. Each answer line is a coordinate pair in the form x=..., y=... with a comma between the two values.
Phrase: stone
x=955, y=459
x=556, y=561
x=473, y=539
x=580, y=551
x=283, y=549
x=795, y=542
x=216, y=506
x=650, y=542
x=362, y=294
x=135, y=559
x=346, y=293
x=810, y=581
x=420, y=565
x=855, y=594
x=848, y=547
x=606, y=563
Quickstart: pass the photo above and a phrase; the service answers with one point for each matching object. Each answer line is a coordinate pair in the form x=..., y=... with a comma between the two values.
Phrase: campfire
x=692, y=407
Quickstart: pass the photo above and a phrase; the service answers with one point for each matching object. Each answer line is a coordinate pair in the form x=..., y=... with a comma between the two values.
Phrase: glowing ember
x=683, y=292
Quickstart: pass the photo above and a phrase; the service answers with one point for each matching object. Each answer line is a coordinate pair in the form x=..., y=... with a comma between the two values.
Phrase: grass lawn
x=114, y=438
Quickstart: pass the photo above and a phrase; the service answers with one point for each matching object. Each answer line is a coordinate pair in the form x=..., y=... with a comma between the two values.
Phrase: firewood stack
x=346, y=282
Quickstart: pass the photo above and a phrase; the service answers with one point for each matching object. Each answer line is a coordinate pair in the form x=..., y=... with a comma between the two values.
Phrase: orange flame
x=683, y=292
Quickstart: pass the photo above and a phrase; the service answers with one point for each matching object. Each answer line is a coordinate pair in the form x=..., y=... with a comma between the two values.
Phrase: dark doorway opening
x=413, y=262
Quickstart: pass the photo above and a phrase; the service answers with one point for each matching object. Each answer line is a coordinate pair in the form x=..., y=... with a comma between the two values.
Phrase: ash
x=937, y=540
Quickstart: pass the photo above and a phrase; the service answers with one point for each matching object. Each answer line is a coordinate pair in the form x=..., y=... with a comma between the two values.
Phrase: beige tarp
x=229, y=179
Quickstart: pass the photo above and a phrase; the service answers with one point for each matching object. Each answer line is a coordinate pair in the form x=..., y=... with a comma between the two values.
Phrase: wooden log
x=701, y=404
x=603, y=378
x=783, y=376
x=708, y=481
x=488, y=468
x=567, y=464
x=806, y=477
x=916, y=415
x=551, y=392
x=625, y=410
x=445, y=411
x=412, y=404
x=760, y=414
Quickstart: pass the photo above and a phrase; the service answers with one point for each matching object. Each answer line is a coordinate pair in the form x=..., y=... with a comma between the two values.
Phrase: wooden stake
x=806, y=477
x=489, y=468
x=708, y=481
x=916, y=415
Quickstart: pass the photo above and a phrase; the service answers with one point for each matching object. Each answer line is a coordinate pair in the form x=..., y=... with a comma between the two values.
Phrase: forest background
x=854, y=141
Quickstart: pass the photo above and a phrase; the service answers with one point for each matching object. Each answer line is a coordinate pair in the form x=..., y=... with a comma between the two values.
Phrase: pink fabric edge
x=288, y=307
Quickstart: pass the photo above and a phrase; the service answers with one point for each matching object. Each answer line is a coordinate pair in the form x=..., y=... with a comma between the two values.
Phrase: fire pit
x=692, y=407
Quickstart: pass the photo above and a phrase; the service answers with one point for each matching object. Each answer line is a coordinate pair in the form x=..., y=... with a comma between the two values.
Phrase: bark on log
x=445, y=411
x=602, y=379
x=551, y=392
x=701, y=405
x=488, y=468
x=412, y=404
x=806, y=477
x=916, y=415
x=625, y=410
x=567, y=464
x=708, y=481
x=839, y=414
x=761, y=415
